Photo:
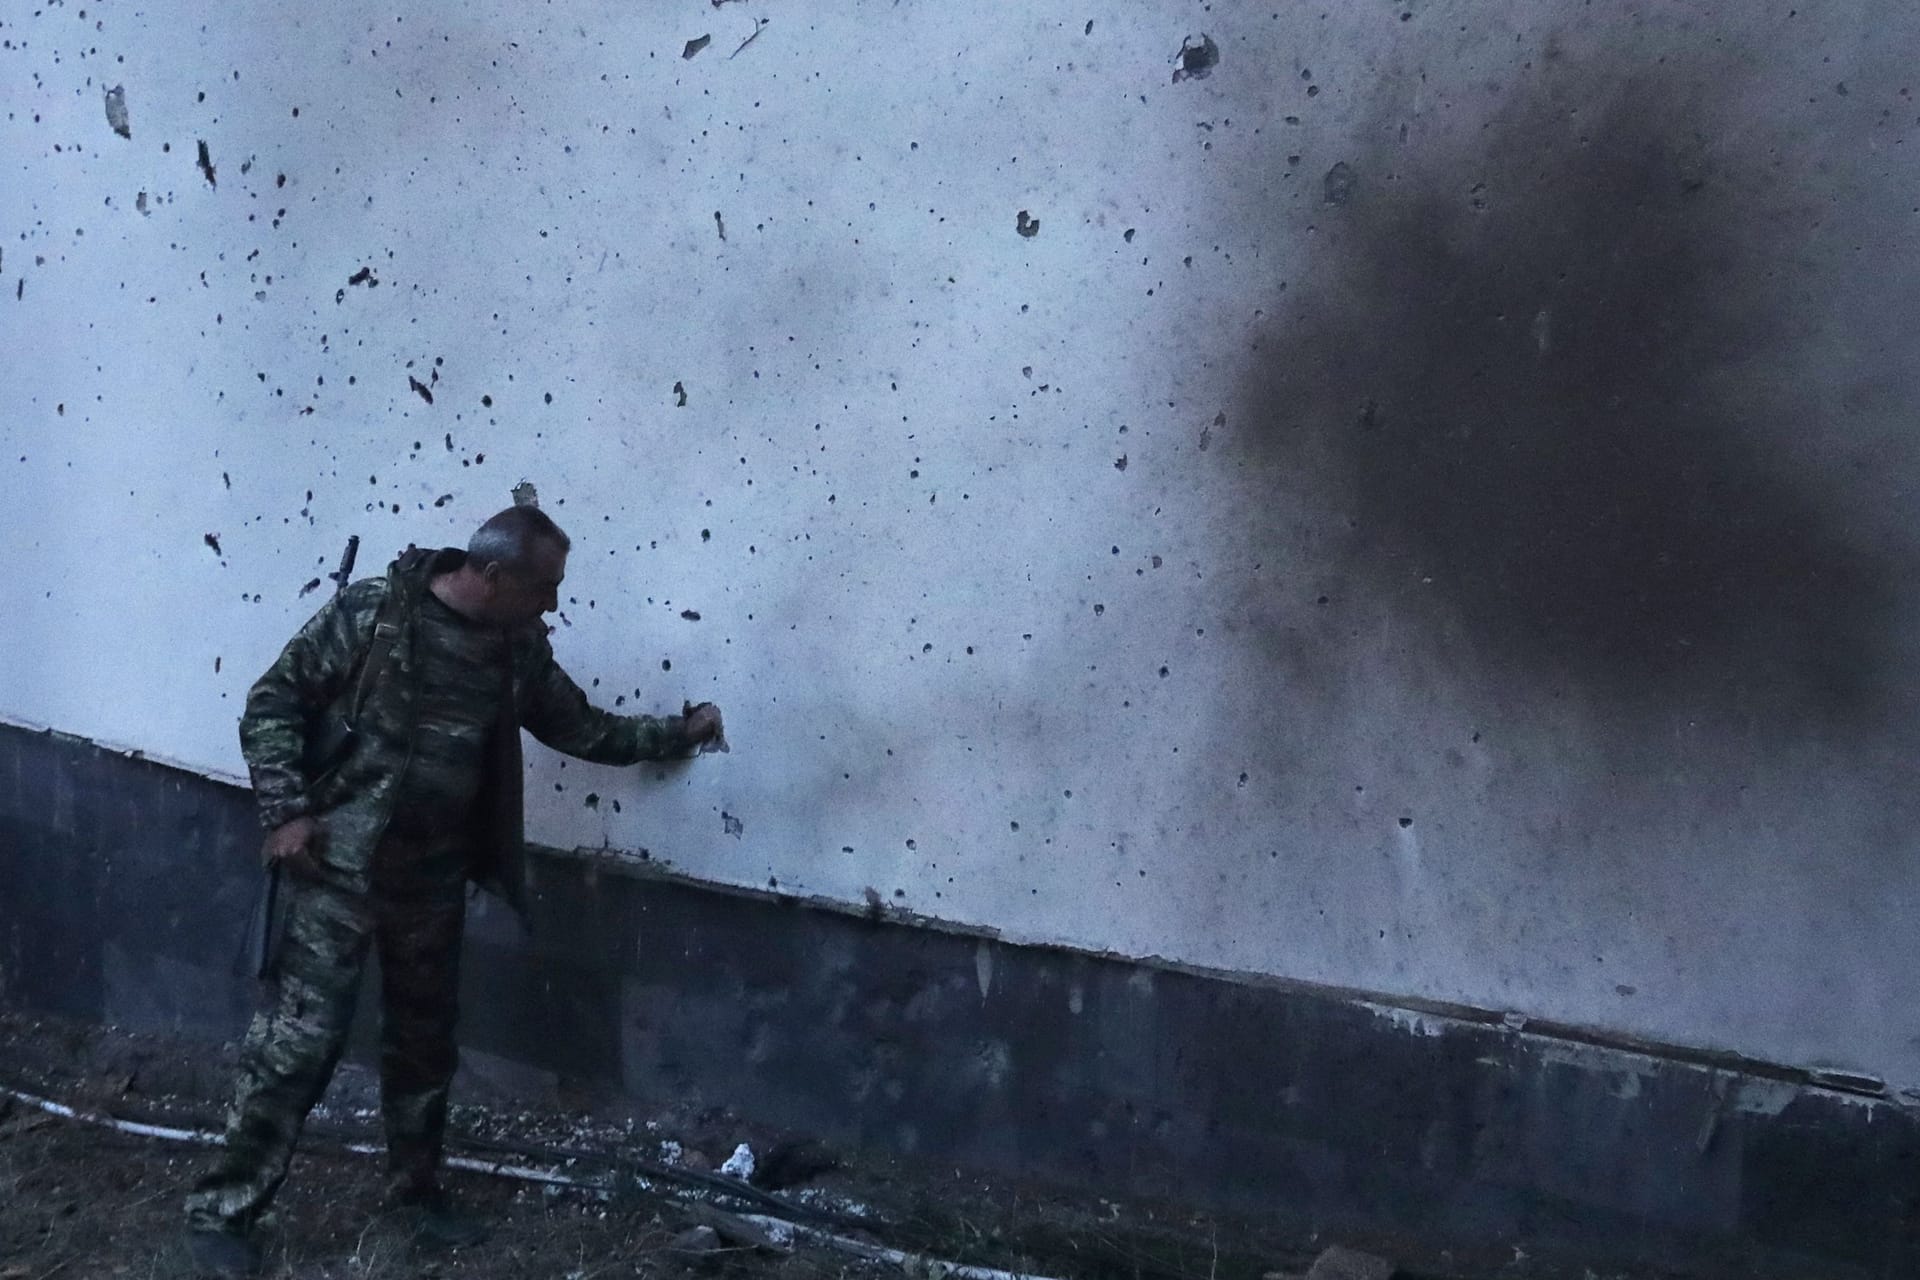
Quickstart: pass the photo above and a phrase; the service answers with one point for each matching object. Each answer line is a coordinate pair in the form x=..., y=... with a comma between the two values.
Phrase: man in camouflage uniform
x=384, y=746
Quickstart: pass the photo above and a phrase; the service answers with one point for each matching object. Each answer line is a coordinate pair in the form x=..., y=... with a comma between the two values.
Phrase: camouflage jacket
x=321, y=740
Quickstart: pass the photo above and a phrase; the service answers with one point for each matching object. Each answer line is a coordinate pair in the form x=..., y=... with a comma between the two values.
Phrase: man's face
x=521, y=595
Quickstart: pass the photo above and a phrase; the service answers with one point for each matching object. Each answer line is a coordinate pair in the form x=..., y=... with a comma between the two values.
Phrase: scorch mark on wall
x=1523, y=395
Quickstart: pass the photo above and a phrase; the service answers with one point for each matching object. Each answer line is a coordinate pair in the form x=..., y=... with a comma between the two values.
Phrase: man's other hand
x=295, y=846
x=704, y=726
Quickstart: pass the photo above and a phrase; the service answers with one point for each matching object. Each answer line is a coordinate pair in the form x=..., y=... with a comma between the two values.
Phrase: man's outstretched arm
x=555, y=710
x=307, y=676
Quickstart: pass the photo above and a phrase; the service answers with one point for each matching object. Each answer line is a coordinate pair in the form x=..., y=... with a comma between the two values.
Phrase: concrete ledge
x=126, y=889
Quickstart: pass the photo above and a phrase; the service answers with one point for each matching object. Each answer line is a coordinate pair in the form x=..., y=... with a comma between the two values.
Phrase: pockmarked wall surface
x=1418, y=497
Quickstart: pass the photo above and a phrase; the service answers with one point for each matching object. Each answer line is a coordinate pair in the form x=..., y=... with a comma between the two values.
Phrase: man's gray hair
x=511, y=538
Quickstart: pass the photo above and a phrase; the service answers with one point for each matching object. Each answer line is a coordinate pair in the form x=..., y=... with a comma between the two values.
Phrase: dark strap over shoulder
x=386, y=626
x=374, y=669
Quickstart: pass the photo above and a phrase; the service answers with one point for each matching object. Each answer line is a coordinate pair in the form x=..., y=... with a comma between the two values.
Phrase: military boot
x=434, y=1222
x=222, y=1253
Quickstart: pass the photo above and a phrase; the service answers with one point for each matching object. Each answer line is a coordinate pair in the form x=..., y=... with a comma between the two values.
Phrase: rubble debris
x=206, y=163
x=525, y=495
x=693, y=47
x=740, y=1164
x=1341, y=1263
x=1026, y=226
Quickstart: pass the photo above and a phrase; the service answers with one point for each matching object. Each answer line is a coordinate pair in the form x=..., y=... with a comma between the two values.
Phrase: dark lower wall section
x=126, y=890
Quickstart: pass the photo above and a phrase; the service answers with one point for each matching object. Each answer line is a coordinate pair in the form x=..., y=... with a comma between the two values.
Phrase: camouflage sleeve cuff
x=275, y=814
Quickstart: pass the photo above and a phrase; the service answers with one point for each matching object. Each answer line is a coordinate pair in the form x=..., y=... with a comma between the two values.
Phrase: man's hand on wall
x=294, y=845
x=704, y=728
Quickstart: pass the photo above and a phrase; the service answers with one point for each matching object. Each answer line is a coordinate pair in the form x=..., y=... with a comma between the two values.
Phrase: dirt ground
x=79, y=1199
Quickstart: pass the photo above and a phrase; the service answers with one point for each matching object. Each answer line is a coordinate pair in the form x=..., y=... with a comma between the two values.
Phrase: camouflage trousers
x=414, y=917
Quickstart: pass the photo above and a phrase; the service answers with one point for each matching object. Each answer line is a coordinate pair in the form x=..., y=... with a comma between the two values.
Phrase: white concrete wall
x=969, y=661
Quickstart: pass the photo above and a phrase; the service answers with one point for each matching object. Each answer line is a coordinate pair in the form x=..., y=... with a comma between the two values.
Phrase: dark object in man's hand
x=295, y=845
x=705, y=730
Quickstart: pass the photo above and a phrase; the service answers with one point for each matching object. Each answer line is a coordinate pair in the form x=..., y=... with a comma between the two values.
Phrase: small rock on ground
x=1342, y=1263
